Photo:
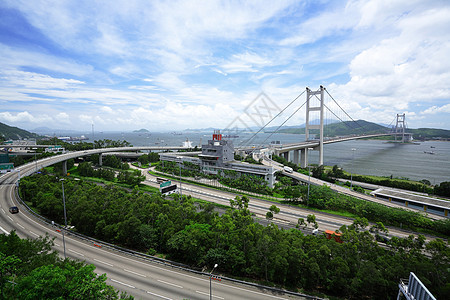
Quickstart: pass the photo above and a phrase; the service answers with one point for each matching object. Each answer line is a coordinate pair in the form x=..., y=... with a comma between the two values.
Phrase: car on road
x=14, y=209
x=288, y=169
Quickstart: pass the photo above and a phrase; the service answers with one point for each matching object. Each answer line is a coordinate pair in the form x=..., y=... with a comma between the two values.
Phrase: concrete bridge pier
x=100, y=159
x=64, y=167
x=304, y=158
x=296, y=156
x=286, y=155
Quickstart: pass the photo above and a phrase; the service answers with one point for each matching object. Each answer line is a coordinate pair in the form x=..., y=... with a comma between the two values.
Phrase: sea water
x=428, y=160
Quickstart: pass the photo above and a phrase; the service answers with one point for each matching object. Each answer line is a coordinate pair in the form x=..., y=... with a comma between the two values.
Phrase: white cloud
x=24, y=117
x=403, y=69
x=437, y=109
x=62, y=117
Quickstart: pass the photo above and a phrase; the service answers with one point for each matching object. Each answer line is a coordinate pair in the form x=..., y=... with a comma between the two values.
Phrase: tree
x=312, y=219
x=70, y=281
x=301, y=222
x=153, y=157
x=443, y=189
x=143, y=159
x=8, y=265
x=272, y=210
x=318, y=172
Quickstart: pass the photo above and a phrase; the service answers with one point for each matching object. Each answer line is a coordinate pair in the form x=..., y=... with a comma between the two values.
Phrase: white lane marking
x=132, y=272
x=34, y=233
x=20, y=226
x=57, y=245
x=193, y=277
x=102, y=262
x=3, y=211
x=76, y=252
x=6, y=232
x=179, y=286
x=207, y=294
x=126, y=284
x=10, y=218
x=158, y=295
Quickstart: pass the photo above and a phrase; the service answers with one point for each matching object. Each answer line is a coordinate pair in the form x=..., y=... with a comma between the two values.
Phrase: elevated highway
x=300, y=150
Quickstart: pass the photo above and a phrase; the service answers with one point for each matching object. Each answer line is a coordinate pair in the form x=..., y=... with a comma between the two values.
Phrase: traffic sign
x=166, y=183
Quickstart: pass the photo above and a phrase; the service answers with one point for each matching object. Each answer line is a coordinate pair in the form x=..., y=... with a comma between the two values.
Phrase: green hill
x=342, y=128
x=430, y=133
x=14, y=133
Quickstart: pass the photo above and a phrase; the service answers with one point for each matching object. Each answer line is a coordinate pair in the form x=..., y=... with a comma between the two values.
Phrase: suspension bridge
x=320, y=114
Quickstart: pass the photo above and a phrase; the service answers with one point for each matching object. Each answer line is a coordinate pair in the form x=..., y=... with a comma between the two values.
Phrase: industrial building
x=218, y=155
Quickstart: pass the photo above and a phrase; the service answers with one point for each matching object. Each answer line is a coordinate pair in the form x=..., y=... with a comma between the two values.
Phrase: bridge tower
x=311, y=108
x=400, y=126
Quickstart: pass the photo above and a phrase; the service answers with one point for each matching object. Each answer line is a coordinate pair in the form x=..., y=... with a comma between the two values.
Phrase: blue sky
x=172, y=65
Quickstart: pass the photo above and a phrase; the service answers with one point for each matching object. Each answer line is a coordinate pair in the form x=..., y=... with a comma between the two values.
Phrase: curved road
x=141, y=278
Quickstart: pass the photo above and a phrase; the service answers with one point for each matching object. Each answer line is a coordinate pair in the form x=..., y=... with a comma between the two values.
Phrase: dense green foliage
x=395, y=183
x=443, y=189
x=323, y=197
x=29, y=269
x=145, y=159
x=130, y=177
x=195, y=234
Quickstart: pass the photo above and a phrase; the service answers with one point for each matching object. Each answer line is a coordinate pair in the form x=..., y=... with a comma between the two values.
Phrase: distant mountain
x=141, y=130
x=361, y=126
x=57, y=132
x=14, y=133
x=430, y=133
x=342, y=128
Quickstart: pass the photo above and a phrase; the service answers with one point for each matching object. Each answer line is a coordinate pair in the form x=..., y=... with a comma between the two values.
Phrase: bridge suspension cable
x=254, y=135
x=278, y=128
x=355, y=122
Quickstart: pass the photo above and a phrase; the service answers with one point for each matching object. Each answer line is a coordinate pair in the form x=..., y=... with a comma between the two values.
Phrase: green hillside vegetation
x=427, y=133
x=14, y=133
x=342, y=128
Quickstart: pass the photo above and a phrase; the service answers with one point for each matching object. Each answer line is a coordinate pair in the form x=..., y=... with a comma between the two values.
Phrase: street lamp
x=181, y=190
x=351, y=171
x=309, y=176
x=65, y=216
x=210, y=286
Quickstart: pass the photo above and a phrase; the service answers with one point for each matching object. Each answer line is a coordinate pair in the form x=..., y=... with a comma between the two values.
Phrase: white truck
x=288, y=169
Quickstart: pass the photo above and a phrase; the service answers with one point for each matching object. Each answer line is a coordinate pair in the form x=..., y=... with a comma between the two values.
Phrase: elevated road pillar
x=100, y=160
x=286, y=155
x=64, y=167
x=296, y=156
x=304, y=157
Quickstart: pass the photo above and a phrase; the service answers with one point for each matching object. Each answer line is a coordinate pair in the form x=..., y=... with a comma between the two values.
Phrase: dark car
x=14, y=210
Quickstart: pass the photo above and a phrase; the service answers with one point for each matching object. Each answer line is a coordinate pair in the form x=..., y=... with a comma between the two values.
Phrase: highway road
x=287, y=217
x=341, y=189
x=142, y=278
